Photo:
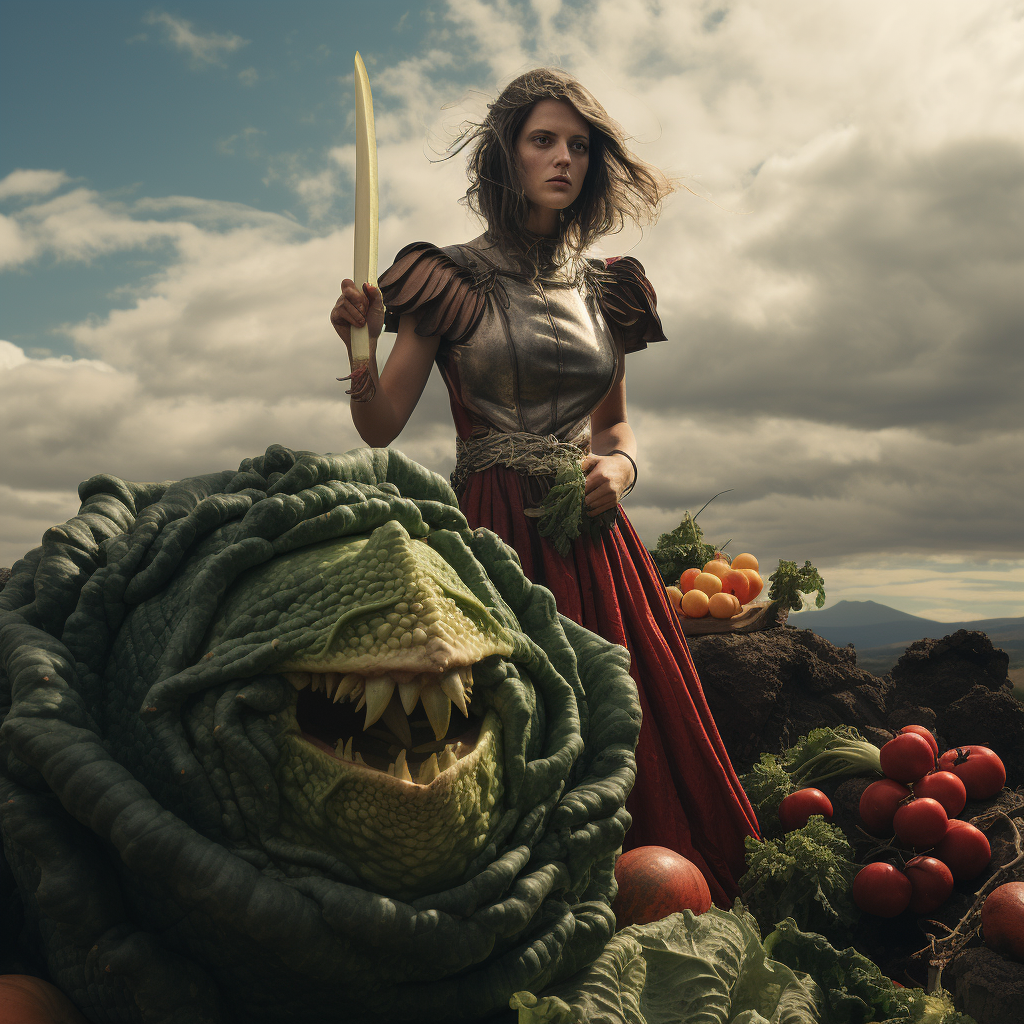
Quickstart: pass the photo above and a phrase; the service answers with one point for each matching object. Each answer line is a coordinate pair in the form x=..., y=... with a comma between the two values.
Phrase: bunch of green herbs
x=684, y=548
x=789, y=584
x=806, y=875
x=562, y=514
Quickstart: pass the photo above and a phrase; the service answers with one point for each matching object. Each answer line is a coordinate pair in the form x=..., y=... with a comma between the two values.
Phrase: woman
x=530, y=338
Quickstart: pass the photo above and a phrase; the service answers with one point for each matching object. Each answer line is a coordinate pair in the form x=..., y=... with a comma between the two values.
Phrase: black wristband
x=619, y=451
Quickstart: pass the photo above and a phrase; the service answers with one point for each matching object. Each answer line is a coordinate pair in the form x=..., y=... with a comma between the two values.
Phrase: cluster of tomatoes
x=720, y=589
x=918, y=801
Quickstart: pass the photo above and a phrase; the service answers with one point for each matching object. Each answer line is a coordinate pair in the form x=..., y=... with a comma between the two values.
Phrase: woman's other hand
x=608, y=476
x=357, y=307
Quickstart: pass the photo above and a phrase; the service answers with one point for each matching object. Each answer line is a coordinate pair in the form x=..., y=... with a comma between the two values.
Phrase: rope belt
x=561, y=515
x=529, y=454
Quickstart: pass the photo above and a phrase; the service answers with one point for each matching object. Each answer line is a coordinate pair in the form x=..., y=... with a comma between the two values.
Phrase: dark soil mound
x=767, y=689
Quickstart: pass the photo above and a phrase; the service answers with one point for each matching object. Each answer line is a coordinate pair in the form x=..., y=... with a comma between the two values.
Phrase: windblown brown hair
x=618, y=185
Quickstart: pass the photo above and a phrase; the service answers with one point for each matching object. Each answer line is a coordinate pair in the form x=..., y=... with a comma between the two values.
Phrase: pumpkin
x=28, y=1000
x=655, y=882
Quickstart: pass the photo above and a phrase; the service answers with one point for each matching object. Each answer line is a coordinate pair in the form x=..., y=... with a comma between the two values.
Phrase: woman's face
x=553, y=151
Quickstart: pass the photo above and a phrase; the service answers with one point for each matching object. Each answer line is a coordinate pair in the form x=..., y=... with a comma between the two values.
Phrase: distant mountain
x=881, y=634
x=853, y=613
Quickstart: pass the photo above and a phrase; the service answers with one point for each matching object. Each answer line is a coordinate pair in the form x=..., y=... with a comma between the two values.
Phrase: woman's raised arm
x=398, y=387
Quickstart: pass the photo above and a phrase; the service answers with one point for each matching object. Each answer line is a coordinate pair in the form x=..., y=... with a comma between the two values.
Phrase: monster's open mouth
x=413, y=726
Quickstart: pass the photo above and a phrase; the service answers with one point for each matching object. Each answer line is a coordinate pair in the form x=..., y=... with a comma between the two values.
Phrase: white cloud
x=15, y=246
x=844, y=313
x=31, y=183
x=203, y=48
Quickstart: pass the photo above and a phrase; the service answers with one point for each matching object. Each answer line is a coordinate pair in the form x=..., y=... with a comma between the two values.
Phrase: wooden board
x=753, y=618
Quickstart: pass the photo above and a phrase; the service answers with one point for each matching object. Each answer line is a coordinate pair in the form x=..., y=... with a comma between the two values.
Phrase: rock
x=767, y=689
x=993, y=719
x=987, y=985
x=937, y=673
x=964, y=682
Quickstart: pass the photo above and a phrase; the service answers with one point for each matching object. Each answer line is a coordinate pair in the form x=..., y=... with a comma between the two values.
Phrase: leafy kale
x=853, y=989
x=684, y=548
x=789, y=584
x=767, y=784
x=806, y=875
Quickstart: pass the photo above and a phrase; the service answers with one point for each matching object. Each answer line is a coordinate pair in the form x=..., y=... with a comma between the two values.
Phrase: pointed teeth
x=343, y=749
x=362, y=701
x=331, y=680
x=394, y=718
x=451, y=684
x=378, y=694
x=447, y=759
x=409, y=692
x=438, y=708
x=348, y=684
x=358, y=758
x=401, y=768
x=300, y=680
x=429, y=771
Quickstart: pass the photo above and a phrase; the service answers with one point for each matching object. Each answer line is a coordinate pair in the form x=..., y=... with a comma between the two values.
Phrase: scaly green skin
x=185, y=850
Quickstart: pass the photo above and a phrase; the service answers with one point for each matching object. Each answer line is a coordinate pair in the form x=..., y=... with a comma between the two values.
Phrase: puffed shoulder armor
x=628, y=301
x=426, y=280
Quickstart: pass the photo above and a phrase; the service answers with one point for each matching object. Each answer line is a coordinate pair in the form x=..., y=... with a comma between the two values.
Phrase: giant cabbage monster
x=292, y=743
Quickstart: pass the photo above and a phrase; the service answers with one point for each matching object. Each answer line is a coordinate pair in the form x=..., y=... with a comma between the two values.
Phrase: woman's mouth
x=559, y=180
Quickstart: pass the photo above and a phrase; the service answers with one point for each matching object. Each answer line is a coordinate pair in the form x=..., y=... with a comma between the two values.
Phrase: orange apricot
x=722, y=606
x=708, y=582
x=695, y=604
x=744, y=561
x=686, y=580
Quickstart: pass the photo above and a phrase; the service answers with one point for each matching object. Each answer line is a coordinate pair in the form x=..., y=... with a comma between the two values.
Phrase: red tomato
x=1002, y=920
x=944, y=787
x=797, y=808
x=920, y=823
x=881, y=889
x=736, y=582
x=931, y=882
x=878, y=804
x=964, y=849
x=926, y=733
x=655, y=882
x=907, y=758
x=978, y=768
x=686, y=580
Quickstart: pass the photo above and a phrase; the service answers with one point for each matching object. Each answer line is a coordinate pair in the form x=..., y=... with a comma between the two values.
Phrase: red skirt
x=687, y=796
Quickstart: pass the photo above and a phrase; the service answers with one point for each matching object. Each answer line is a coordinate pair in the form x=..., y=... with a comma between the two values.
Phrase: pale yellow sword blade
x=364, y=254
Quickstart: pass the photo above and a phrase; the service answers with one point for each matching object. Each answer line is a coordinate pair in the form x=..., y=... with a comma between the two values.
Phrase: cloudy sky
x=841, y=275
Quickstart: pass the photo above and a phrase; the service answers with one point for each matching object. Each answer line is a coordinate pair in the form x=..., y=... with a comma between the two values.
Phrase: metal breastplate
x=542, y=357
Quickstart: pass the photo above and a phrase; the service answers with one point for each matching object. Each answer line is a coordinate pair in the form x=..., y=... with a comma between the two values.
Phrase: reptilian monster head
x=292, y=743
